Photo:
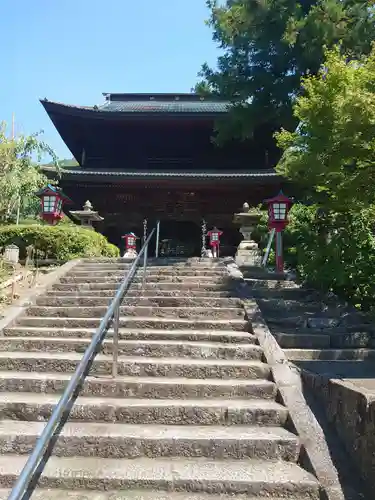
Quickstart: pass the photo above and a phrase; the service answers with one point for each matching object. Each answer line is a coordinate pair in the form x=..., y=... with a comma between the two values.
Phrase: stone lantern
x=86, y=216
x=248, y=253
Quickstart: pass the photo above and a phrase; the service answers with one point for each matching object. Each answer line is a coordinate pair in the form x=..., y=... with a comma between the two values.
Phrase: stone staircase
x=332, y=345
x=317, y=333
x=193, y=413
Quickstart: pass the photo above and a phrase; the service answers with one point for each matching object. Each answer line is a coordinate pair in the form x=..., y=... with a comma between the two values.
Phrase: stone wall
x=350, y=407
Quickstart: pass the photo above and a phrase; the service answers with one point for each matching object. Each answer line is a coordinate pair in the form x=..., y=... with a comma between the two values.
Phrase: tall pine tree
x=268, y=46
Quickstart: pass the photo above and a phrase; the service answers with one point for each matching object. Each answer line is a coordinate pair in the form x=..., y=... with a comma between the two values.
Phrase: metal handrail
x=27, y=478
x=268, y=248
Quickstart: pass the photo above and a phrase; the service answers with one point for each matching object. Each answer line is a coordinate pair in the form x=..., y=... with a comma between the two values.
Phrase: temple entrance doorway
x=178, y=239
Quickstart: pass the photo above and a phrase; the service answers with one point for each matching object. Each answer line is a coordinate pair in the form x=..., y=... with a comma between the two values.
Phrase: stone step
x=310, y=338
x=223, y=336
x=334, y=317
x=181, y=272
x=151, y=278
x=151, y=348
x=318, y=327
x=354, y=339
x=38, y=407
x=265, y=284
x=56, y=494
x=160, y=261
x=333, y=326
x=330, y=354
x=153, y=292
x=191, y=287
x=139, y=323
x=136, y=366
x=139, y=311
x=251, y=477
x=174, y=271
x=139, y=387
x=303, y=341
x=124, y=264
x=108, y=440
x=110, y=266
x=340, y=369
x=151, y=263
x=321, y=322
x=289, y=306
x=257, y=272
x=284, y=293
x=161, y=301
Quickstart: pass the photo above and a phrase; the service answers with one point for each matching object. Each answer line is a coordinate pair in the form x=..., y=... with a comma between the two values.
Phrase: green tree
x=20, y=173
x=66, y=163
x=332, y=151
x=268, y=46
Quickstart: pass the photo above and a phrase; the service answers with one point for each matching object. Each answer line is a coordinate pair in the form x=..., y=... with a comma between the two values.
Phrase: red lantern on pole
x=130, y=241
x=214, y=236
x=278, y=209
x=52, y=200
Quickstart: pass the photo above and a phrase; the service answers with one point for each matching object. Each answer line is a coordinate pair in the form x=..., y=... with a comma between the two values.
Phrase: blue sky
x=73, y=50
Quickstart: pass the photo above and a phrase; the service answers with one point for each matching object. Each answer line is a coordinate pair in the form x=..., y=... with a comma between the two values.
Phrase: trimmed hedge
x=62, y=243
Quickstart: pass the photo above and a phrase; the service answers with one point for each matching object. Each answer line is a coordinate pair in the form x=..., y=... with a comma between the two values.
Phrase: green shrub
x=62, y=243
x=296, y=233
x=332, y=252
x=339, y=256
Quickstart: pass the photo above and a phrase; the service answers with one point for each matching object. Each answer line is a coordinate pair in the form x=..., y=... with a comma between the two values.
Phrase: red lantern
x=52, y=200
x=130, y=241
x=278, y=209
x=214, y=236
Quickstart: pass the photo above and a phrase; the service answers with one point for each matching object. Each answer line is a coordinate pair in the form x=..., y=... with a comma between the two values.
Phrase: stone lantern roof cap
x=87, y=213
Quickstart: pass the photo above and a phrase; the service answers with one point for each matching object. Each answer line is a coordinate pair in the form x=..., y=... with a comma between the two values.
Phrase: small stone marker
x=12, y=253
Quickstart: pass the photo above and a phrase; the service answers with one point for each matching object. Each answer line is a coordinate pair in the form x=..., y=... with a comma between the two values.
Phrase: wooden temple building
x=151, y=156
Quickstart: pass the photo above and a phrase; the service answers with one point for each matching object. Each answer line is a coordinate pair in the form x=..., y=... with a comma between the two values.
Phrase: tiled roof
x=138, y=103
x=165, y=106
x=170, y=174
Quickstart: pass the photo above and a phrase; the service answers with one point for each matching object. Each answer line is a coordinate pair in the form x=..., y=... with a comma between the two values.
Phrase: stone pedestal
x=248, y=253
x=207, y=253
x=130, y=254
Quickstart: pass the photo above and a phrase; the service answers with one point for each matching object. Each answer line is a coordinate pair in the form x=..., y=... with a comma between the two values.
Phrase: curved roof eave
x=57, y=108
x=66, y=109
x=76, y=171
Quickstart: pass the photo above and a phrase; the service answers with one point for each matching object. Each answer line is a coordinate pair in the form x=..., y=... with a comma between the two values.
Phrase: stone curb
x=315, y=454
x=21, y=305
